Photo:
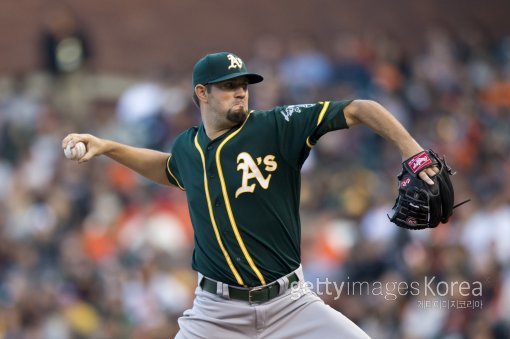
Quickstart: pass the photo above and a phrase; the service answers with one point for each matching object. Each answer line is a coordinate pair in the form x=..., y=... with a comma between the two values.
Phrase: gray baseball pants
x=295, y=313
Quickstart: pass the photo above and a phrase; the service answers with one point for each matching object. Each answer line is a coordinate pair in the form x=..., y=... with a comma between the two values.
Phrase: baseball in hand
x=76, y=152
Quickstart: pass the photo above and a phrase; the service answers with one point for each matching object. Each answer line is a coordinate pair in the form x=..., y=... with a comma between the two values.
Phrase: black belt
x=252, y=295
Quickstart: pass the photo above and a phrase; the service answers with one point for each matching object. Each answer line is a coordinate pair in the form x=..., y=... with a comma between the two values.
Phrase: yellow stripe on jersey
x=229, y=208
x=319, y=120
x=170, y=171
x=213, y=221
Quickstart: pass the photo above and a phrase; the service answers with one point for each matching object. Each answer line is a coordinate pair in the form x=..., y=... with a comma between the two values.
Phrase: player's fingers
x=68, y=139
x=89, y=154
x=430, y=172
x=74, y=138
x=425, y=177
x=85, y=158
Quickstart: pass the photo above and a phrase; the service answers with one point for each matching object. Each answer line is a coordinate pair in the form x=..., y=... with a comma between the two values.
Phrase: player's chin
x=237, y=114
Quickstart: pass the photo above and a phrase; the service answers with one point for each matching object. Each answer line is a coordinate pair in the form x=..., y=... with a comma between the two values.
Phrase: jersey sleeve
x=172, y=172
x=301, y=126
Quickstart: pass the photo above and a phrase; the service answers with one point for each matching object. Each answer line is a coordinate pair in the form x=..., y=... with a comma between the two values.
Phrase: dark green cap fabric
x=222, y=66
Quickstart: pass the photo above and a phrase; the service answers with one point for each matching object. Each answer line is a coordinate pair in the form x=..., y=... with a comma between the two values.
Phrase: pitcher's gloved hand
x=420, y=205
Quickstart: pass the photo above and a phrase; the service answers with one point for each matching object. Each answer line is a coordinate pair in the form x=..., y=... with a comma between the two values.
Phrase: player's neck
x=215, y=133
x=214, y=128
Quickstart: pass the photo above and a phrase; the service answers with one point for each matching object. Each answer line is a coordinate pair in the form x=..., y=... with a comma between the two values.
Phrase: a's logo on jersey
x=252, y=171
x=235, y=62
x=289, y=110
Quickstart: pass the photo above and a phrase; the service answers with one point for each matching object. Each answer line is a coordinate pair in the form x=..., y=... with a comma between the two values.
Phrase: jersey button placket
x=212, y=167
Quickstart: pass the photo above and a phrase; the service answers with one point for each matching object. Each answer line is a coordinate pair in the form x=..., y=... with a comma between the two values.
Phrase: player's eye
x=228, y=85
x=232, y=85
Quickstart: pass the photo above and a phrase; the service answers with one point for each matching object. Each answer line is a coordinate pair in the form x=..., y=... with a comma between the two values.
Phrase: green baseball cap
x=222, y=66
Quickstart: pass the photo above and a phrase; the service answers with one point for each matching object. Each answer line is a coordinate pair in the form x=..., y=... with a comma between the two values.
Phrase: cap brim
x=252, y=78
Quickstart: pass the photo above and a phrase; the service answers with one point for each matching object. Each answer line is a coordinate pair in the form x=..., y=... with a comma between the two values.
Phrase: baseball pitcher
x=240, y=170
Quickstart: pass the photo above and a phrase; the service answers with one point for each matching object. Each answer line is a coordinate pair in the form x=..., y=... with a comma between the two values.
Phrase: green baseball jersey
x=243, y=190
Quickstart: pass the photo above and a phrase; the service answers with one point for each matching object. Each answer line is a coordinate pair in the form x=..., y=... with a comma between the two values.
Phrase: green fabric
x=268, y=151
x=222, y=66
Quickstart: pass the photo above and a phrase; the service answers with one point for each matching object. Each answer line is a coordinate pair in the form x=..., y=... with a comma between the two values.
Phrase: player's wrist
x=106, y=147
x=410, y=149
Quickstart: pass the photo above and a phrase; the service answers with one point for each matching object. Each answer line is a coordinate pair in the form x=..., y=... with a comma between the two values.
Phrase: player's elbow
x=357, y=109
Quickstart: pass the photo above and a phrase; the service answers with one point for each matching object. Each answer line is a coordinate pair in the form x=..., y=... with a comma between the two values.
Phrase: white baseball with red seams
x=75, y=152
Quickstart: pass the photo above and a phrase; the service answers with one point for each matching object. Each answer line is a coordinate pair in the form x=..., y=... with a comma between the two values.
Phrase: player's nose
x=241, y=91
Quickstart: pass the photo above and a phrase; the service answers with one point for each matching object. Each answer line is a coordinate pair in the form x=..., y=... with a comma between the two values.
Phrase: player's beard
x=237, y=115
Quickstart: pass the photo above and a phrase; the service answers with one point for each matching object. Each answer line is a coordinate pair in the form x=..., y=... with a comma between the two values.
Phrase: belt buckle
x=255, y=289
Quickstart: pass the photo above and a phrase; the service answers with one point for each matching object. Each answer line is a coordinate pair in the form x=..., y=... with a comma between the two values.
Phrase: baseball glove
x=420, y=205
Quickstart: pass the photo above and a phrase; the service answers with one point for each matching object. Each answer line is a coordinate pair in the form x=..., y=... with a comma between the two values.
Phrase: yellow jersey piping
x=229, y=209
x=319, y=120
x=211, y=215
x=173, y=176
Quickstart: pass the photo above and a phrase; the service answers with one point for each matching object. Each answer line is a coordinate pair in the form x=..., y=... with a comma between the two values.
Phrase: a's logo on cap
x=235, y=62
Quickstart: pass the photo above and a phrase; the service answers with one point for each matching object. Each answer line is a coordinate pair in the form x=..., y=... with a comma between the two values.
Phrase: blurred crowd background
x=95, y=251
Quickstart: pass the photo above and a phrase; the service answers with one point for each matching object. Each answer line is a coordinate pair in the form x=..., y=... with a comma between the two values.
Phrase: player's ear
x=201, y=93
